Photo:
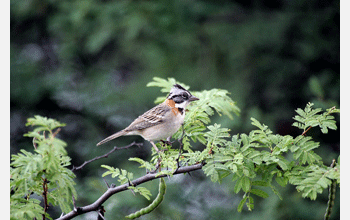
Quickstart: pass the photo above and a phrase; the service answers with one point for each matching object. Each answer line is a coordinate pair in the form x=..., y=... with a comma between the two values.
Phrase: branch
x=331, y=196
x=111, y=191
x=106, y=155
x=45, y=190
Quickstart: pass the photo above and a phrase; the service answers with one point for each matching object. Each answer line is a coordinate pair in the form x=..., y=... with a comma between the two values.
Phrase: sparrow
x=162, y=121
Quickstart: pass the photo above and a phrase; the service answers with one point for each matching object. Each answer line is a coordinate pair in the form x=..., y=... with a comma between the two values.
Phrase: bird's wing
x=150, y=118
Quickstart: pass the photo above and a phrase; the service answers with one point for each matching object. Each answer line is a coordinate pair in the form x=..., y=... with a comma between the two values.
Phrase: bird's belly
x=162, y=131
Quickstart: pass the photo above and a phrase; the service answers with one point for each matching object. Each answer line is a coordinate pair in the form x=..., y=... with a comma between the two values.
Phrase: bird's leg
x=159, y=158
x=155, y=147
x=180, y=148
x=167, y=142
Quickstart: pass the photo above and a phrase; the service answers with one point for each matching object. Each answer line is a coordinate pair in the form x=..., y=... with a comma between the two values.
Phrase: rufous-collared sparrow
x=162, y=121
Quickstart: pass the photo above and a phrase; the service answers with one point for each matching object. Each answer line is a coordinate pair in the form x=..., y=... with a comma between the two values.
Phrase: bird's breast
x=162, y=131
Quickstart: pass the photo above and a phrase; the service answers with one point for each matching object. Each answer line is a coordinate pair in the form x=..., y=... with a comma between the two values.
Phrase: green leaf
x=250, y=203
x=46, y=165
x=44, y=123
x=241, y=204
x=310, y=117
x=238, y=186
x=258, y=124
x=216, y=136
x=311, y=180
x=260, y=183
x=274, y=190
x=114, y=172
x=245, y=184
x=282, y=181
x=216, y=171
x=142, y=191
x=283, y=163
x=259, y=193
x=143, y=163
x=25, y=209
x=166, y=85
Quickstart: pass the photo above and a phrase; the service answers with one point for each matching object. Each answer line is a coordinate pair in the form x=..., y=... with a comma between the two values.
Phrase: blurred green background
x=87, y=63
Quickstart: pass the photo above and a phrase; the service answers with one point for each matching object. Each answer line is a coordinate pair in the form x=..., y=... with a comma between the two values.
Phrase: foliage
x=42, y=173
x=310, y=118
x=125, y=177
x=86, y=63
x=256, y=160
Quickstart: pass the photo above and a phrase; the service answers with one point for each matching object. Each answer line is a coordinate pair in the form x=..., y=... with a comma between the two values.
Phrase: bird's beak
x=193, y=98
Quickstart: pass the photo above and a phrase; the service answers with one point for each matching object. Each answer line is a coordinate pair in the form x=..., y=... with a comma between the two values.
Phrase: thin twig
x=303, y=134
x=56, y=132
x=74, y=204
x=34, y=144
x=106, y=182
x=101, y=214
x=130, y=184
x=105, y=155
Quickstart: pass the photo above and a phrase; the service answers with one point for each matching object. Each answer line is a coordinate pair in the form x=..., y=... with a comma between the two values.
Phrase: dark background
x=87, y=63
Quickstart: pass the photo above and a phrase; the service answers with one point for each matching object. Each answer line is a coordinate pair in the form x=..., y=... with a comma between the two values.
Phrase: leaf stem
x=303, y=134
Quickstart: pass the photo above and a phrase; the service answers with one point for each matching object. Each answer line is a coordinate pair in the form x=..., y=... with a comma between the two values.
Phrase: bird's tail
x=113, y=136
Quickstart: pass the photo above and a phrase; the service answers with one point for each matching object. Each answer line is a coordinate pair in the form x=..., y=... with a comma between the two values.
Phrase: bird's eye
x=185, y=96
